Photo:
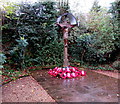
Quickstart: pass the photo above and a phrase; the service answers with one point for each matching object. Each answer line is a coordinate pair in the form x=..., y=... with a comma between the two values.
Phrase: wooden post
x=65, y=37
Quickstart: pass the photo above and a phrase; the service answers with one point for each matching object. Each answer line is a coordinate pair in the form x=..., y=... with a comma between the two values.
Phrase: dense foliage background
x=97, y=40
x=31, y=37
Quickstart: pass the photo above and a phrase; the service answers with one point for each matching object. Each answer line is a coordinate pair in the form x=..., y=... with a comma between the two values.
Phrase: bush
x=84, y=50
x=116, y=65
x=99, y=42
x=2, y=59
x=18, y=53
x=36, y=23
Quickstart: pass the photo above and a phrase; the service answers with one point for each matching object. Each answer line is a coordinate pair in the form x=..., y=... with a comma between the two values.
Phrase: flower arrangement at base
x=66, y=72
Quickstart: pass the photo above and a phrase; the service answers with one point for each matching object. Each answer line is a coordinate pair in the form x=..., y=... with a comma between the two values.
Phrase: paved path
x=25, y=89
x=94, y=87
x=109, y=73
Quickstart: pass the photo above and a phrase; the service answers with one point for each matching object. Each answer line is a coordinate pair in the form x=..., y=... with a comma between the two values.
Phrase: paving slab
x=93, y=87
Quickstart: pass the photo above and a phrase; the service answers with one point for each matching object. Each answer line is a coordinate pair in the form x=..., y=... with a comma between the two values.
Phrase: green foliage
x=36, y=22
x=18, y=53
x=9, y=75
x=9, y=21
x=116, y=65
x=100, y=24
x=51, y=54
x=85, y=51
x=94, y=41
x=106, y=67
x=107, y=40
x=115, y=21
x=100, y=40
x=96, y=7
x=115, y=10
x=42, y=33
x=2, y=60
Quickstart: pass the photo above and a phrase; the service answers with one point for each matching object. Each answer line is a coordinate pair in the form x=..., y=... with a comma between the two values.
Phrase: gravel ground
x=25, y=89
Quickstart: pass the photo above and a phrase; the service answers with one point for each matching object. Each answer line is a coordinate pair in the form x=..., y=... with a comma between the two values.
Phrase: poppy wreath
x=66, y=72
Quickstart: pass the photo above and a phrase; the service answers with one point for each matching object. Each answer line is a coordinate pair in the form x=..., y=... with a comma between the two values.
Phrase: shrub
x=2, y=59
x=36, y=23
x=116, y=65
x=100, y=42
x=18, y=53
